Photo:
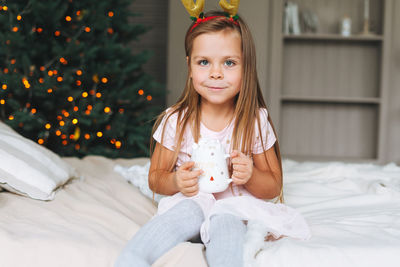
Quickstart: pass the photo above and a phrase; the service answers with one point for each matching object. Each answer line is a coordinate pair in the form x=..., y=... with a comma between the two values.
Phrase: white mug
x=209, y=156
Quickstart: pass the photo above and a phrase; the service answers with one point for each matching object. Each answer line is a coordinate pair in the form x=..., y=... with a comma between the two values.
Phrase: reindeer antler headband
x=195, y=10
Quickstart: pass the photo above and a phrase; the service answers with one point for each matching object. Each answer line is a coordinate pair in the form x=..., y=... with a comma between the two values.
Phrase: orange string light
x=26, y=83
x=118, y=144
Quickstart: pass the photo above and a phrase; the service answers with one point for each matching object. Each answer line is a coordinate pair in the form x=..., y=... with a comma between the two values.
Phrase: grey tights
x=182, y=223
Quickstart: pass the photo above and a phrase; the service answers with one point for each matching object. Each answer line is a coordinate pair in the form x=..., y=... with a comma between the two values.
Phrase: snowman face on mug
x=209, y=156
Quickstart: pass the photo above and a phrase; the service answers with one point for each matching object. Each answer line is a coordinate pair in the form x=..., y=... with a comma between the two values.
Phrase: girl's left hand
x=242, y=167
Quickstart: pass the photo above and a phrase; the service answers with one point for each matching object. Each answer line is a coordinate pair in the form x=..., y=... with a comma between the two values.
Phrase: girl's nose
x=216, y=73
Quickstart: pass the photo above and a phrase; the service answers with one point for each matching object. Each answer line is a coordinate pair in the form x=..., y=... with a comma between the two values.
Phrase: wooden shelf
x=330, y=91
x=345, y=100
x=334, y=37
x=303, y=158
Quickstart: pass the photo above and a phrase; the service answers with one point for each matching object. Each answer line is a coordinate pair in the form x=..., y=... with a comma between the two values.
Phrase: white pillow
x=29, y=169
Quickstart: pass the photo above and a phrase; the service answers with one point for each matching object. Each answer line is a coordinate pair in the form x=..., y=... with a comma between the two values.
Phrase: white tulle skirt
x=279, y=219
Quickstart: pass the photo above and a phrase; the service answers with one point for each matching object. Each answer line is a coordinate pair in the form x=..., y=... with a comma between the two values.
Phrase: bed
x=353, y=211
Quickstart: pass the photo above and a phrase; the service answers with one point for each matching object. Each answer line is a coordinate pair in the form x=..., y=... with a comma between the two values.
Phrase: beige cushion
x=29, y=169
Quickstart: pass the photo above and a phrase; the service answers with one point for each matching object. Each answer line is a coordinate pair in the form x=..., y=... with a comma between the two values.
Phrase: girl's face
x=216, y=66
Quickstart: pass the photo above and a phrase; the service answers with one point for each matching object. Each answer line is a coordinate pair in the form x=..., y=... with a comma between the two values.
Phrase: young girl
x=222, y=100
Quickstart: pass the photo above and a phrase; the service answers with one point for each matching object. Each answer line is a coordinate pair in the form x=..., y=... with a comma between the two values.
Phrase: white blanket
x=87, y=224
x=353, y=211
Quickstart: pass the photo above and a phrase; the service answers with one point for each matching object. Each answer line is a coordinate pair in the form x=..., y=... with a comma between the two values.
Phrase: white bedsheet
x=86, y=225
x=353, y=211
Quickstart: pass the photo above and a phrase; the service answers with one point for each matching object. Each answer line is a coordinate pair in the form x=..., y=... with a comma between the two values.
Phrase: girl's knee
x=227, y=222
x=190, y=208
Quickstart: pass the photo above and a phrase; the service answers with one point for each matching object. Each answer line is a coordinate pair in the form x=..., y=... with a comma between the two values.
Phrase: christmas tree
x=69, y=79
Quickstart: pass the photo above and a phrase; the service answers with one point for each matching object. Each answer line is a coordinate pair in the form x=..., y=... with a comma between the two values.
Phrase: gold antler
x=193, y=9
x=231, y=8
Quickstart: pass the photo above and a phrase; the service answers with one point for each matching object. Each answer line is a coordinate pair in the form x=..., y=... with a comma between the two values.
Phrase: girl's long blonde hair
x=248, y=101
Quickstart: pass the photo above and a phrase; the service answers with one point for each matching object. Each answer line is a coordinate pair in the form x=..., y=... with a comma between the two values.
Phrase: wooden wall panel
x=330, y=69
x=393, y=119
x=342, y=131
x=153, y=14
x=334, y=127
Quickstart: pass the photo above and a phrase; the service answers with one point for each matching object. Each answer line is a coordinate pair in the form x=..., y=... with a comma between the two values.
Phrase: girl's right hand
x=186, y=180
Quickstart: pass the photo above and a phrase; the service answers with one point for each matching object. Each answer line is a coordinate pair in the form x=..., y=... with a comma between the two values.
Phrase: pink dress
x=236, y=200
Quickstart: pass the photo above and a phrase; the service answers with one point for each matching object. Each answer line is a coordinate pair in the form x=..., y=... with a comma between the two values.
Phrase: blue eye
x=203, y=62
x=229, y=63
